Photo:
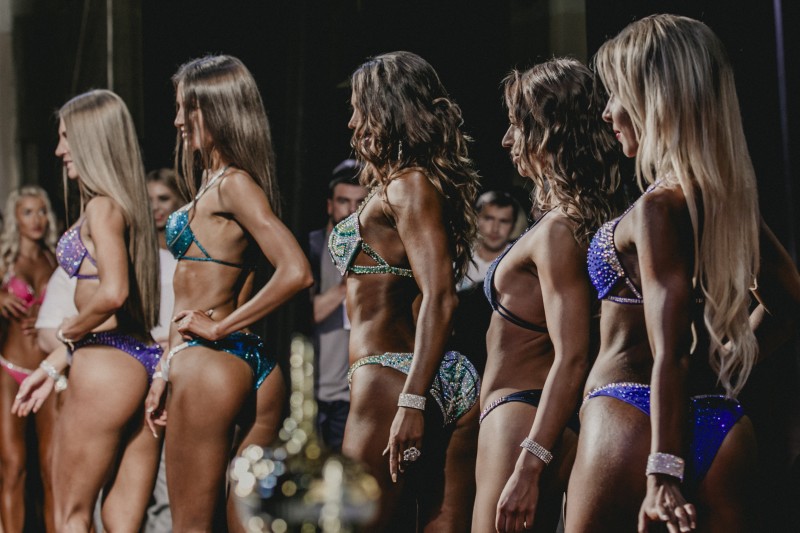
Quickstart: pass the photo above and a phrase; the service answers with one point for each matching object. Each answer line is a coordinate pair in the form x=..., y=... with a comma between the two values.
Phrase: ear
x=330, y=206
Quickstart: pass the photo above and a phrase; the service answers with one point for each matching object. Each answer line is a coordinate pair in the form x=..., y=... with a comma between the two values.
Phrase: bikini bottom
x=530, y=397
x=456, y=386
x=712, y=417
x=15, y=371
x=147, y=354
x=246, y=346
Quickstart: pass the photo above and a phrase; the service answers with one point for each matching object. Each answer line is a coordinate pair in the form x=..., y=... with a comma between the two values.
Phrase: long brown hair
x=105, y=152
x=224, y=90
x=558, y=111
x=412, y=122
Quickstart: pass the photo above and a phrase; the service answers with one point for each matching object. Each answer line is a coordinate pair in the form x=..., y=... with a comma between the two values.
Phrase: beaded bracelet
x=665, y=463
x=537, y=449
x=52, y=373
x=413, y=401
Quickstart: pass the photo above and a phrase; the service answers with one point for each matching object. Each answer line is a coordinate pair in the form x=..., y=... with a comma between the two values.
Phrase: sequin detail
x=147, y=354
x=712, y=417
x=179, y=237
x=246, y=346
x=455, y=388
x=15, y=371
x=345, y=242
x=70, y=252
x=605, y=269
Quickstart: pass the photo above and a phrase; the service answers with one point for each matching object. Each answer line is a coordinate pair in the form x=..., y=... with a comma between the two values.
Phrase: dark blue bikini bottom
x=531, y=397
x=713, y=416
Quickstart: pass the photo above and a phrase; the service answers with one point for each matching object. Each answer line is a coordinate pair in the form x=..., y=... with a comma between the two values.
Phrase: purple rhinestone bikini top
x=71, y=252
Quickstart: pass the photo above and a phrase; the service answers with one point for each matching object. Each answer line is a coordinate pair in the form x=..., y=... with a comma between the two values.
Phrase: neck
x=486, y=254
x=29, y=248
x=162, y=238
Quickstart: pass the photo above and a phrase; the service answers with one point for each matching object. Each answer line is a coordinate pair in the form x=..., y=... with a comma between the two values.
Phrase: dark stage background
x=302, y=53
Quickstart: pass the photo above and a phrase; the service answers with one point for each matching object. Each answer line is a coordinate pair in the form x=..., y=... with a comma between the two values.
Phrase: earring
x=400, y=150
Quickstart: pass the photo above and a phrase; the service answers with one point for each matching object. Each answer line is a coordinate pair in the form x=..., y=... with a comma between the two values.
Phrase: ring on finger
x=411, y=454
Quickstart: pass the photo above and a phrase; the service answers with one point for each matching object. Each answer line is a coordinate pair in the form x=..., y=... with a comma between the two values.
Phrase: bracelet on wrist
x=55, y=375
x=537, y=449
x=65, y=340
x=665, y=463
x=413, y=401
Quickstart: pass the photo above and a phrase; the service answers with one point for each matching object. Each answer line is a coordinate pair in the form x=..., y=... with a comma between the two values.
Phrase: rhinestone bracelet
x=412, y=401
x=537, y=449
x=665, y=463
x=52, y=373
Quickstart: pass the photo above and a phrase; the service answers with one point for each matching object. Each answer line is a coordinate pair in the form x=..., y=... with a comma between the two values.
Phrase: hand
x=407, y=429
x=11, y=306
x=33, y=391
x=516, y=507
x=664, y=502
x=68, y=331
x=195, y=323
x=155, y=413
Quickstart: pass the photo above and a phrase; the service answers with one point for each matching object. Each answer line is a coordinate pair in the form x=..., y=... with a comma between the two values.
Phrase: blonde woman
x=662, y=434
x=101, y=439
x=219, y=373
x=27, y=258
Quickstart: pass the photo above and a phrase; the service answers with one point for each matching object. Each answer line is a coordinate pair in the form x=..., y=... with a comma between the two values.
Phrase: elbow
x=113, y=298
x=300, y=277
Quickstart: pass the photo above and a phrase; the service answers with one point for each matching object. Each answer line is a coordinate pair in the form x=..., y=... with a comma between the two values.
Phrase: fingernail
x=394, y=478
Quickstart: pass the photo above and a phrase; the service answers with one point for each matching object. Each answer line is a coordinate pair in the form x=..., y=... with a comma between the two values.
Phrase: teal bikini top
x=345, y=243
x=179, y=234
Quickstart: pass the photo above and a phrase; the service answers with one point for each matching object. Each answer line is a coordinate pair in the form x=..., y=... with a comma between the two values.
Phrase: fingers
x=394, y=460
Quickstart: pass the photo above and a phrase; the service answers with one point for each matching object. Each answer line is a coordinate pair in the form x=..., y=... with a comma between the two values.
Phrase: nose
x=607, y=112
x=508, y=138
x=351, y=124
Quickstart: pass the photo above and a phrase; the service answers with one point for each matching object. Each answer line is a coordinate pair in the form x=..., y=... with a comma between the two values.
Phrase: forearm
x=327, y=302
x=668, y=404
x=58, y=358
x=434, y=323
x=285, y=283
x=559, y=400
x=103, y=305
x=46, y=337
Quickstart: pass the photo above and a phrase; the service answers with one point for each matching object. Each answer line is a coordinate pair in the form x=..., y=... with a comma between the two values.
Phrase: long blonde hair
x=412, y=122
x=9, y=238
x=673, y=77
x=105, y=152
x=224, y=90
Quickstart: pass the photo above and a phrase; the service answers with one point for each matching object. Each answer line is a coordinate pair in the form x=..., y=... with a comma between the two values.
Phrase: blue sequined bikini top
x=345, y=243
x=179, y=234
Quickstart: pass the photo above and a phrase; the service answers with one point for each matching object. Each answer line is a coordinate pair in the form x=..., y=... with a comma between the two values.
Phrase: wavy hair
x=408, y=120
x=674, y=79
x=226, y=94
x=558, y=112
x=9, y=238
x=105, y=152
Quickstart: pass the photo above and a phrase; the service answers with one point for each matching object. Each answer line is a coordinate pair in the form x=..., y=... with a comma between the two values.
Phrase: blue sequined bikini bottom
x=246, y=346
x=530, y=397
x=147, y=354
x=713, y=417
x=456, y=387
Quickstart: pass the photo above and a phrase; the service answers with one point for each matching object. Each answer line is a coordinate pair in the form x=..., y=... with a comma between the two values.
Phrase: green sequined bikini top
x=345, y=242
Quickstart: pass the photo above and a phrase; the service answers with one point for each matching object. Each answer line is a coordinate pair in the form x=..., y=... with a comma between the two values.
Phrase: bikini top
x=21, y=289
x=179, y=234
x=488, y=289
x=179, y=237
x=345, y=243
x=70, y=252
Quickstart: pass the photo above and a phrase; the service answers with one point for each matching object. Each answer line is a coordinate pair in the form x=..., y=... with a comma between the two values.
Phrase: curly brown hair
x=557, y=109
x=407, y=120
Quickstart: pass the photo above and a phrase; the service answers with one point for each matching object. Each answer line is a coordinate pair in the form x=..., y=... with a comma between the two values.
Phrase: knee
x=12, y=470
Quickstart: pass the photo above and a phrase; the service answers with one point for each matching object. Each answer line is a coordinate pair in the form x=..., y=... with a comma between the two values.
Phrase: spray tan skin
x=34, y=264
x=211, y=390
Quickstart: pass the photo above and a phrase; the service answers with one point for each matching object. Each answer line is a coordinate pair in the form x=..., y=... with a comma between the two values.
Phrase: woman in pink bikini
x=27, y=258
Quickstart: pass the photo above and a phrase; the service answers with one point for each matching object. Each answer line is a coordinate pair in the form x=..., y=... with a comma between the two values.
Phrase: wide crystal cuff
x=537, y=449
x=665, y=463
x=413, y=401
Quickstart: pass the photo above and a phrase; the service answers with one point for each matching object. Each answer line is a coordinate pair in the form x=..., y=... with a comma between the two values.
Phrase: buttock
x=147, y=354
x=712, y=416
x=455, y=388
x=246, y=346
x=531, y=397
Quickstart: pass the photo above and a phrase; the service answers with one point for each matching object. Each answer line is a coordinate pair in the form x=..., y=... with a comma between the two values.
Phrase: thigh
x=107, y=387
x=208, y=390
x=12, y=427
x=726, y=495
x=608, y=484
x=373, y=405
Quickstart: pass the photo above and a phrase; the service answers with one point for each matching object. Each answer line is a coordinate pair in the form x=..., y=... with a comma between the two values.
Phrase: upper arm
x=665, y=248
x=566, y=293
x=418, y=210
x=778, y=287
x=107, y=228
x=247, y=202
